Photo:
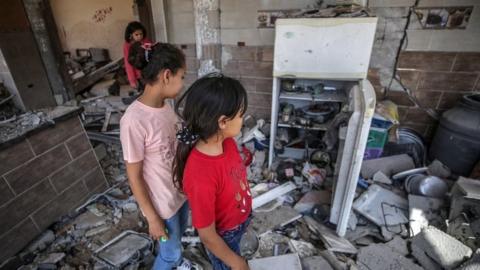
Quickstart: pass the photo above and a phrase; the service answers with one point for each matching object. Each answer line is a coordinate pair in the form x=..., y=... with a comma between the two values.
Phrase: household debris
x=123, y=248
x=396, y=202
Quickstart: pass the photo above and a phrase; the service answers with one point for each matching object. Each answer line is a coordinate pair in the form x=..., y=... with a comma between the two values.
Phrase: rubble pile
x=405, y=215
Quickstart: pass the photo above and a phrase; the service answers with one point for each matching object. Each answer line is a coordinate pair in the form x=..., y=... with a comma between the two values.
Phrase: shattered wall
x=99, y=24
x=439, y=66
x=43, y=177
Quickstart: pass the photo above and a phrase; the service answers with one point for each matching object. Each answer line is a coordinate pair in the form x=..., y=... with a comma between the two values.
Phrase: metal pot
x=426, y=185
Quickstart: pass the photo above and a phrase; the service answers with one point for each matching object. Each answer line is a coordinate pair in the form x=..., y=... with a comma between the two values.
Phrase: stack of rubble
x=405, y=216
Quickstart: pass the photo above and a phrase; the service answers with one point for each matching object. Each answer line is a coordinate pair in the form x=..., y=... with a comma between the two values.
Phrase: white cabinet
x=326, y=60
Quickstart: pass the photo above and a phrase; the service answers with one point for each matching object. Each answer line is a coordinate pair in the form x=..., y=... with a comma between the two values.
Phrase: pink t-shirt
x=148, y=134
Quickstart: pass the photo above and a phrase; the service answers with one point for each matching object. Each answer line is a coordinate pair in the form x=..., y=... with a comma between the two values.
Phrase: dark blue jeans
x=232, y=239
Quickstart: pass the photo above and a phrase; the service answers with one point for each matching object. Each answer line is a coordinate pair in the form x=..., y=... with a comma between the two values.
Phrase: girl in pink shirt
x=134, y=32
x=147, y=133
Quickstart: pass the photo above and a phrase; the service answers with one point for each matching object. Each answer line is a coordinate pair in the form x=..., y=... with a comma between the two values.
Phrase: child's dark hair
x=205, y=101
x=156, y=58
x=132, y=27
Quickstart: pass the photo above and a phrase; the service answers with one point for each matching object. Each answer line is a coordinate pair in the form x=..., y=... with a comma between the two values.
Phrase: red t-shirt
x=217, y=188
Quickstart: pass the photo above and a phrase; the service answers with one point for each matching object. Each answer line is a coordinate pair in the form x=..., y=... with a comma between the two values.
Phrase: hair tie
x=184, y=135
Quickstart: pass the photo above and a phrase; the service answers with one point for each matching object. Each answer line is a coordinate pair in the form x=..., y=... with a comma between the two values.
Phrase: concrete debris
x=381, y=257
x=352, y=221
x=363, y=231
x=88, y=220
x=42, y=242
x=97, y=230
x=267, y=221
x=332, y=241
x=424, y=211
x=440, y=247
x=382, y=207
x=315, y=263
x=380, y=177
x=130, y=207
x=398, y=245
x=436, y=168
x=249, y=243
x=272, y=194
x=473, y=263
x=465, y=195
x=387, y=165
x=268, y=241
x=312, y=198
x=51, y=260
x=462, y=230
x=302, y=248
x=289, y=261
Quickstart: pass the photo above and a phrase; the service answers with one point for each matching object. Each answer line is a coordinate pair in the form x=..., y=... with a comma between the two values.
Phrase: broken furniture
x=328, y=69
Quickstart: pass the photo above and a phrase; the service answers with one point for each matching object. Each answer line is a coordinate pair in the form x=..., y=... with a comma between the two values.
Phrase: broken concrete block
x=268, y=241
x=424, y=211
x=381, y=257
x=248, y=244
x=312, y=198
x=332, y=241
x=302, y=248
x=130, y=207
x=441, y=247
x=437, y=169
x=398, y=245
x=289, y=261
x=387, y=165
x=52, y=259
x=266, y=221
x=316, y=263
x=97, y=230
x=382, y=207
x=426, y=262
x=42, y=242
x=380, y=177
x=352, y=221
x=88, y=220
x=333, y=260
x=473, y=263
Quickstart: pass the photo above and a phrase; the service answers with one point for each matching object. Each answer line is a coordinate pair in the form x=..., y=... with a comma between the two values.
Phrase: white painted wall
x=78, y=29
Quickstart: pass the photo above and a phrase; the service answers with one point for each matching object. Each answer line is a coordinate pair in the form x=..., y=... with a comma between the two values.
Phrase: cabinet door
x=324, y=48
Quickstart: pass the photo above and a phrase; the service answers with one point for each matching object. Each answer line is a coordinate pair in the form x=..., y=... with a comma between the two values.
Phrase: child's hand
x=157, y=230
x=241, y=264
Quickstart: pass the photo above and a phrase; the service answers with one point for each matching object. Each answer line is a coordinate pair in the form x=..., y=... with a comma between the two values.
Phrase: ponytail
x=207, y=99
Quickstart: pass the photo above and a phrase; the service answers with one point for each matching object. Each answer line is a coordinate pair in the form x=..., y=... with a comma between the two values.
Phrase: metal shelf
x=323, y=127
x=326, y=96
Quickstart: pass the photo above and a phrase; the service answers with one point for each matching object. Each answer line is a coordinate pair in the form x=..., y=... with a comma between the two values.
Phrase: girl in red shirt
x=135, y=32
x=208, y=167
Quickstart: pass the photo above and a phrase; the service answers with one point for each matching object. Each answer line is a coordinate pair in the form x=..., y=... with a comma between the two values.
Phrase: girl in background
x=135, y=32
x=209, y=169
